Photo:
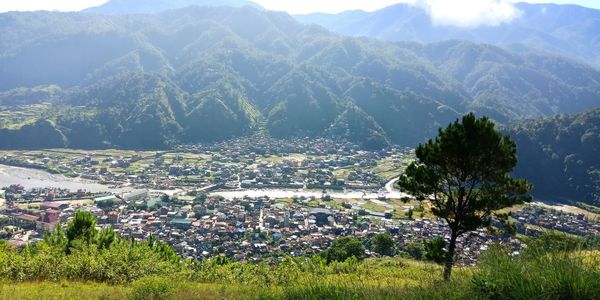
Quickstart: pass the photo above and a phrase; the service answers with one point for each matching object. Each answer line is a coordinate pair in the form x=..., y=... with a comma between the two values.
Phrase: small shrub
x=415, y=250
x=152, y=288
x=434, y=250
x=383, y=244
x=539, y=274
x=551, y=241
x=344, y=248
x=319, y=291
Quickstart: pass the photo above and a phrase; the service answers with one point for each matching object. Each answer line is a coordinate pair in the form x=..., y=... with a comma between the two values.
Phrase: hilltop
x=124, y=7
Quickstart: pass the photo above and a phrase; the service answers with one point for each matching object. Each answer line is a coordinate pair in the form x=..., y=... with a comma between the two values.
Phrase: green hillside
x=560, y=155
x=205, y=74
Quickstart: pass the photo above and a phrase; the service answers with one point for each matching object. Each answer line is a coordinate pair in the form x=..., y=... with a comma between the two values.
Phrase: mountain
x=123, y=7
x=560, y=155
x=204, y=74
x=507, y=86
x=569, y=30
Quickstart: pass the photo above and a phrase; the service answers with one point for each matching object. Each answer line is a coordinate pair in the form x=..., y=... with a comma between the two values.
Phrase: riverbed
x=390, y=193
x=33, y=178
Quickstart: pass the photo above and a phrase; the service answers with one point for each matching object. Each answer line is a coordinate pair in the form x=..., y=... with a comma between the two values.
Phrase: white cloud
x=462, y=13
x=470, y=13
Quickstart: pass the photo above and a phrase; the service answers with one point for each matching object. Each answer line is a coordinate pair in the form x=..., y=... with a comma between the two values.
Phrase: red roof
x=27, y=217
x=53, y=205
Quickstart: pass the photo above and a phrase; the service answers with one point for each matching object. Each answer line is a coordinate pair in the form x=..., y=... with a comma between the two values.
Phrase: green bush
x=415, y=250
x=434, y=250
x=383, y=244
x=551, y=241
x=319, y=291
x=344, y=248
x=85, y=254
x=152, y=288
x=538, y=274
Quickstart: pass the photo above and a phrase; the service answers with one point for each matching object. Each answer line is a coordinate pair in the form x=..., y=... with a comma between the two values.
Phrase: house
x=50, y=216
x=25, y=220
x=135, y=196
x=322, y=216
x=54, y=205
x=106, y=200
x=183, y=224
x=48, y=221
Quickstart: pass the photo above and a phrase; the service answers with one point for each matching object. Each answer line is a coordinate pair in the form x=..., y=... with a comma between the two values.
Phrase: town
x=251, y=162
x=250, y=201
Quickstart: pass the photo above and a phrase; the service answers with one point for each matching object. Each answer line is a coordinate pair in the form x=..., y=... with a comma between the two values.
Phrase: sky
x=444, y=12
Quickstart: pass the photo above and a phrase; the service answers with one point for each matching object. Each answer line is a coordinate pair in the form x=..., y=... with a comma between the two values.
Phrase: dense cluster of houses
x=258, y=162
x=577, y=224
x=469, y=245
x=250, y=229
x=266, y=146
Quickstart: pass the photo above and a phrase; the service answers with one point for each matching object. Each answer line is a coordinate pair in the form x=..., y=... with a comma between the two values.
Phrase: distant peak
x=122, y=7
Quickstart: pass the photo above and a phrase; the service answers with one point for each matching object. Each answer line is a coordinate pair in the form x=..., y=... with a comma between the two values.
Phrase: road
x=390, y=192
x=389, y=186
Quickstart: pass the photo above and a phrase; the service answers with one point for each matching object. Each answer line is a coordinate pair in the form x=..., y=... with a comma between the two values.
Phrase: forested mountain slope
x=560, y=155
x=202, y=74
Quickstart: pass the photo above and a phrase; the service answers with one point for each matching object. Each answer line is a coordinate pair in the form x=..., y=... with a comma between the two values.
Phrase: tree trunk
x=450, y=255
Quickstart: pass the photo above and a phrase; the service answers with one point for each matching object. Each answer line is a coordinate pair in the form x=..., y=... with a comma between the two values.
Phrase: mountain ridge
x=124, y=7
x=202, y=74
x=564, y=29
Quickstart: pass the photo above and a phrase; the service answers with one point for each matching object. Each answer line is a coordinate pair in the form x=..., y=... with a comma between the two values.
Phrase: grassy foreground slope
x=535, y=275
x=373, y=278
x=82, y=262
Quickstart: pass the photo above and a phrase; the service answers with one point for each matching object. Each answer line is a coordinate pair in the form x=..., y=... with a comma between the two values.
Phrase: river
x=33, y=178
x=390, y=192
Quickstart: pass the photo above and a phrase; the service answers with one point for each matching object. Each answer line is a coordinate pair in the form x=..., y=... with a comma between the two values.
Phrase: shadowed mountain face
x=560, y=155
x=204, y=74
x=562, y=29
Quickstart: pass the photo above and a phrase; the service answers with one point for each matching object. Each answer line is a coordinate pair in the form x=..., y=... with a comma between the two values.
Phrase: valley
x=227, y=149
x=297, y=190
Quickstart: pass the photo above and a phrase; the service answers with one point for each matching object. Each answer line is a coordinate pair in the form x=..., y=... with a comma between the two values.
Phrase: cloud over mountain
x=469, y=13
